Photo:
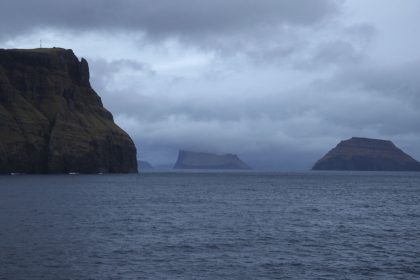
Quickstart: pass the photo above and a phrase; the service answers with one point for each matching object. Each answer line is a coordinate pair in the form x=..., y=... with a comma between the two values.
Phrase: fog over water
x=276, y=82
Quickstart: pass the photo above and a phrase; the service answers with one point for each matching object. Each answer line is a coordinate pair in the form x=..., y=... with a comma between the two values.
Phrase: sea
x=211, y=225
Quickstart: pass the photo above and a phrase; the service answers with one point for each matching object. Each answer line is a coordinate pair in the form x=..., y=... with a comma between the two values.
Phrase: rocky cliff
x=195, y=160
x=52, y=121
x=365, y=154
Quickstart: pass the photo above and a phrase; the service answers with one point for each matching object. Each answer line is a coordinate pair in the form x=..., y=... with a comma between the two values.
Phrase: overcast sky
x=278, y=82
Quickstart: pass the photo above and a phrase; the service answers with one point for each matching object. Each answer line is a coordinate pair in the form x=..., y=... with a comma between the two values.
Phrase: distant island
x=198, y=160
x=364, y=154
x=52, y=121
x=144, y=165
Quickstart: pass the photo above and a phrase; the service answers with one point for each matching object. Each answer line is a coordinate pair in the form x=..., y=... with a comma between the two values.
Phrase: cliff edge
x=52, y=121
x=364, y=154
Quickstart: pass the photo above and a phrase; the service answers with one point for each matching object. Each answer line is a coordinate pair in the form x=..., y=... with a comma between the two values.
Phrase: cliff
x=195, y=160
x=365, y=154
x=52, y=121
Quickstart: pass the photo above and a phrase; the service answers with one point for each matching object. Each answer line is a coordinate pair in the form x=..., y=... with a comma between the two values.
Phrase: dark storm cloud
x=160, y=17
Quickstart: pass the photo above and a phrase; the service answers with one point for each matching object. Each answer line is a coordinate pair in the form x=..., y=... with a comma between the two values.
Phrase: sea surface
x=212, y=225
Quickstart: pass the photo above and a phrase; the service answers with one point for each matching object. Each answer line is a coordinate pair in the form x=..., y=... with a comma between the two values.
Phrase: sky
x=278, y=82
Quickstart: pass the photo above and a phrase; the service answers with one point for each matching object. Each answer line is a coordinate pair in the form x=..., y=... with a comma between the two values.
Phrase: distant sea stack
x=52, y=121
x=144, y=165
x=364, y=154
x=197, y=160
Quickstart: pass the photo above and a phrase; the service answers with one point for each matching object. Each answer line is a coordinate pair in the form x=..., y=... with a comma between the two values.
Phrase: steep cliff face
x=365, y=154
x=195, y=160
x=52, y=121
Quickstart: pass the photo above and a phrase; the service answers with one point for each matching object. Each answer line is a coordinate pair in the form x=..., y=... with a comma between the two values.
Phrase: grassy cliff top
x=38, y=50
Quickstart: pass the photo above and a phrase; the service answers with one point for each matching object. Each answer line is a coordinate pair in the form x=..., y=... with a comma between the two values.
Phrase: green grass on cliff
x=40, y=50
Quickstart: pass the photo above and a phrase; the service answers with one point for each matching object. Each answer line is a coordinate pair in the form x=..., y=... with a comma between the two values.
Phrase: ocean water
x=211, y=226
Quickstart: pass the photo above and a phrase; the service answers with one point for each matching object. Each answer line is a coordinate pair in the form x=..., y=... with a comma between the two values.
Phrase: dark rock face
x=52, y=121
x=195, y=160
x=365, y=154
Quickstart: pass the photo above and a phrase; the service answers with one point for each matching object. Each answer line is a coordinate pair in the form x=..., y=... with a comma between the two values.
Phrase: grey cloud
x=261, y=30
x=362, y=32
x=376, y=98
x=337, y=52
x=161, y=17
x=397, y=80
x=106, y=68
x=103, y=71
x=357, y=96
